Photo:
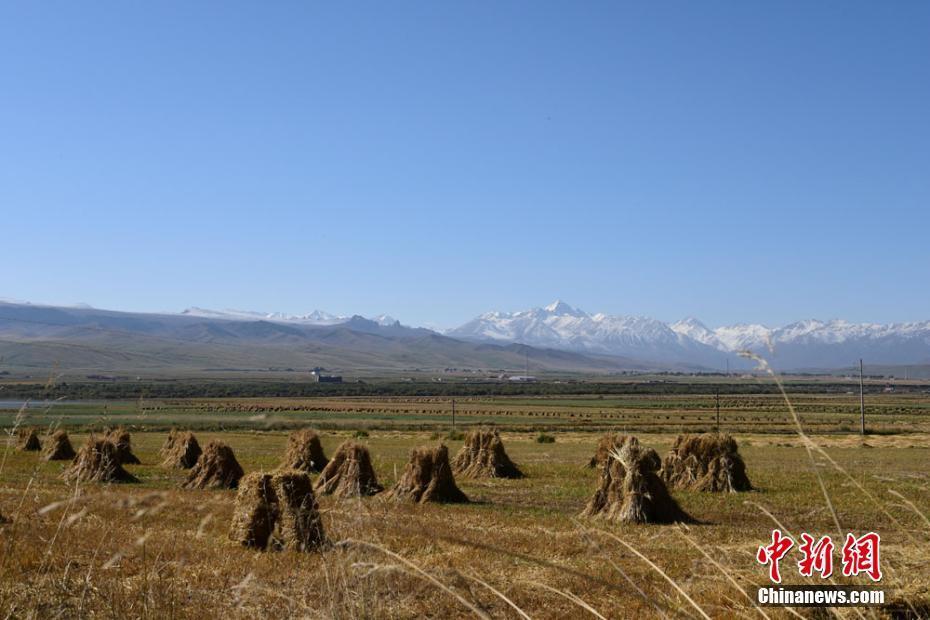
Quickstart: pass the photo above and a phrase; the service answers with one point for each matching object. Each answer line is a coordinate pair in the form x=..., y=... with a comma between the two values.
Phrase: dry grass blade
x=623, y=573
x=562, y=568
x=812, y=447
x=656, y=568
x=497, y=593
x=63, y=522
x=911, y=505
x=725, y=573
x=809, y=445
x=771, y=516
x=790, y=534
x=11, y=438
x=569, y=596
x=350, y=542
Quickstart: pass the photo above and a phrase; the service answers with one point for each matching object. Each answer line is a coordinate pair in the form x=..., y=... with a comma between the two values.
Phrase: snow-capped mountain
x=830, y=344
x=813, y=343
x=731, y=338
x=694, y=329
x=317, y=317
x=806, y=344
x=385, y=320
x=560, y=326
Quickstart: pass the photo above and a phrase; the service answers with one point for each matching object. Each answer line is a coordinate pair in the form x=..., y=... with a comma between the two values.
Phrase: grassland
x=669, y=413
x=153, y=550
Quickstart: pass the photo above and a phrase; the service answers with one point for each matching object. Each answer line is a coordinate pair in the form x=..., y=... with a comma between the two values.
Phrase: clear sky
x=435, y=160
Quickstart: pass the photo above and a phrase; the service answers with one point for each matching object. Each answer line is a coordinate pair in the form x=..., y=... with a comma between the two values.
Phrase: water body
x=36, y=404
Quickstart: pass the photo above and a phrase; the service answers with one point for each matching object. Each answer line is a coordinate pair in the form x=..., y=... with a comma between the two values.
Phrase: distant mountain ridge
x=807, y=344
x=81, y=340
x=317, y=317
x=557, y=336
x=561, y=326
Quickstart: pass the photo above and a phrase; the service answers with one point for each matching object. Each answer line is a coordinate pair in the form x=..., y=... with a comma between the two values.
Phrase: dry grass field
x=907, y=412
x=150, y=549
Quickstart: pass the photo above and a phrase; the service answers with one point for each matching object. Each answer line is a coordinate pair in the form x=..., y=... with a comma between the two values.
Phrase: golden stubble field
x=153, y=550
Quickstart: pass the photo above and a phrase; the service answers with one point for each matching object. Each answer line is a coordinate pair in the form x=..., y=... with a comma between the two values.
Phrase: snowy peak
x=743, y=337
x=694, y=329
x=560, y=308
x=317, y=317
x=560, y=326
x=385, y=320
x=811, y=343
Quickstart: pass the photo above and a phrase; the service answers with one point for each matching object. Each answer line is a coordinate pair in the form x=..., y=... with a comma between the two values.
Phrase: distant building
x=522, y=379
x=321, y=378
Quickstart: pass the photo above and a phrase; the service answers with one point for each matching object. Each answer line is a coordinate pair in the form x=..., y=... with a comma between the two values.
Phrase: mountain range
x=82, y=340
x=808, y=344
x=557, y=337
x=317, y=317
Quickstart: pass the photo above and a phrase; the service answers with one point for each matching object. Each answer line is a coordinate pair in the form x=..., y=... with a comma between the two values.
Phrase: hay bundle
x=217, y=468
x=27, y=440
x=58, y=447
x=605, y=445
x=483, y=456
x=254, y=513
x=277, y=511
x=428, y=478
x=170, y=440
x=121, y=439
x=98, y=461
x=304, y=452
x=630, y=489
x=349, y=473
x=708, y=462
x=298, y=526
x=181, y=450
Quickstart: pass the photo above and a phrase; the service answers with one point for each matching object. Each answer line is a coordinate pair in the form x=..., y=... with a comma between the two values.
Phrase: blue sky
x=434, y=160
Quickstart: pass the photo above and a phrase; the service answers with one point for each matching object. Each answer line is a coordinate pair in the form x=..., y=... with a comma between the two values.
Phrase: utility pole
x=717, y=398
x=861, y=401
x=728, y=366
x=453, y=415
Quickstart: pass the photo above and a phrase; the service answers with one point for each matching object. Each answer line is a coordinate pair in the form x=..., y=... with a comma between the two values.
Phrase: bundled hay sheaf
x=170, y=440
x=428, y=477
x=349, y=473
x=277, y=511
x=253, y=516
x=304, y=452
x=58, y=447
x=217, y=468
x=630, y=489
x=298, y=526
x=121, y=439
x=181, y=450
x=28, y=440
x=483, y=456
x=707, y=462
x=98, y=461
x=605, y=445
